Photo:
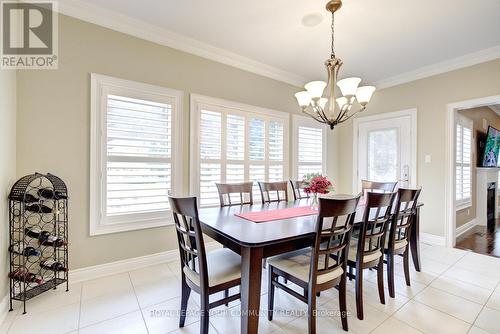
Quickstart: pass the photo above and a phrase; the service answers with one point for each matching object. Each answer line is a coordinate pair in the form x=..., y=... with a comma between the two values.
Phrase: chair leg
x=342, y=301
x=311, y=312
x=380, y=280
x=270, y=294
x=406, y=265
x=350, y=273
x=205, y=311
x=390, y=274
x=359, y=293
x=185, y=292
x=226, y=295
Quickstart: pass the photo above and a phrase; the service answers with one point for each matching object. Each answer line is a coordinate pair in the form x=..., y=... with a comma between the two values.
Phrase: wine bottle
x=50, y=194
x=33, y=232
x=53, y=265
x=24, y=276
x=28, y=198
x=39, y=208
x=52, y=241
x=20, y=248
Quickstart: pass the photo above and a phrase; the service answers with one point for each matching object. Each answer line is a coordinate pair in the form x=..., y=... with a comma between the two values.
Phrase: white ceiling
x=379, y=40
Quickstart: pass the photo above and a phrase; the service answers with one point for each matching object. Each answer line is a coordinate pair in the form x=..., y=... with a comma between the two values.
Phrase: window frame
x=464, y=122
x=101, y=87
x=199, y=102
x=298, y=121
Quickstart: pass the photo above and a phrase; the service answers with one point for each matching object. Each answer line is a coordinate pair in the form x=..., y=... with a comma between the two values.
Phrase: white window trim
x=299, y=120
x=99, y=84
x=198, y=102
x=464, y=203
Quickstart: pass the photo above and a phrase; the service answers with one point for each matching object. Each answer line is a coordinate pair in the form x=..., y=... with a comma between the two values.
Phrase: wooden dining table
x=257, y=241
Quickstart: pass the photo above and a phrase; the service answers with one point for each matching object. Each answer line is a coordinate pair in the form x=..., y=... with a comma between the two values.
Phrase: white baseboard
x=117, y=267
x=432, y=239
x=466, y=227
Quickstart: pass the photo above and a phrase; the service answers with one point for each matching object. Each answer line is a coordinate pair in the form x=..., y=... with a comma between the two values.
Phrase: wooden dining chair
x=269, y=188
x=367, y=251
x=297, y=189
x=205, y=273
x=373, y=186
x=321, y=267
x=243, y=192
x=398, y=239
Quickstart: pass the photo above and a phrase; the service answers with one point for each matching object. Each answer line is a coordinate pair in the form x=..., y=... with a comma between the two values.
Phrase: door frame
x=451, y=115
x=412, y=113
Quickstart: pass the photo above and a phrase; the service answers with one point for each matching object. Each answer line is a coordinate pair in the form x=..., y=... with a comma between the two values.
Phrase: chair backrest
x=297, y=189
x=377, y=187
x=243, y=192
x=376, y=219
x=189, y=236
x=403, y=217
x=267, y=189
x=333, y=234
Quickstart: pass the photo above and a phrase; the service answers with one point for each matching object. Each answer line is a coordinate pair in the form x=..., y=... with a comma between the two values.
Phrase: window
x=232, y=142
x=134, y=154
x=309, y=147
x=463, y=162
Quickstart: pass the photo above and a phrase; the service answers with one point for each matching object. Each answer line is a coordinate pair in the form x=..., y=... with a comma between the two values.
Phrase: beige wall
x=7, y=165
x=430, y=96
x=477, y=115
x=54, y=119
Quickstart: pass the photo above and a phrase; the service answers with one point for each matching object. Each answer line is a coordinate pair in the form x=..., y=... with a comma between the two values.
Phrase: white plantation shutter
x=236, y=146
x=463, y=162
x=134, y=148
x=310, y=148
x=139, y=152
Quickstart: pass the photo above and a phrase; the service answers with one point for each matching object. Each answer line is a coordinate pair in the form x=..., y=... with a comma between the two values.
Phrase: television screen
x=492, y=145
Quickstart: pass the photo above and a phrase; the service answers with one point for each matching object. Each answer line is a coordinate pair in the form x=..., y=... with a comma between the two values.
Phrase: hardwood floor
x=481, y=241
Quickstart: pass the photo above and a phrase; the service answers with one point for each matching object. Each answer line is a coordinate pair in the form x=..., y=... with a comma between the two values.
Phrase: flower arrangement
x=316, y=183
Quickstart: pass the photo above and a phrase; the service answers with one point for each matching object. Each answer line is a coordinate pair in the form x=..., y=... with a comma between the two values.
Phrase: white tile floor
x=457, y=292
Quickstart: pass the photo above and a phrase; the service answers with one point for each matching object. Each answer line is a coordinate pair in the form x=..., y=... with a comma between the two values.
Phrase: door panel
x=384, y=150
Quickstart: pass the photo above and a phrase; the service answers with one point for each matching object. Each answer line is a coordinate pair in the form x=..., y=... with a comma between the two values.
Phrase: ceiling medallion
x=334, y=110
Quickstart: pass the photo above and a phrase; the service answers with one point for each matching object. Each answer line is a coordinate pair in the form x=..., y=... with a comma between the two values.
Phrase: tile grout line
x=80, y=309
x=137, y=299
x=482, y=309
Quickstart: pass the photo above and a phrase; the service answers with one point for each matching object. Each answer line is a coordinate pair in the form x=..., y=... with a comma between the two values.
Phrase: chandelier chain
x=333, y=36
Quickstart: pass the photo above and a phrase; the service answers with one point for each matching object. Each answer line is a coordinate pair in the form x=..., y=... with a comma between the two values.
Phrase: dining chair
x=268, y=188
x=373, y=186
x=242, y=190
x=366, y=252
x=320, y=267
x=398, y=238
x=297, y=189
x=205, y=273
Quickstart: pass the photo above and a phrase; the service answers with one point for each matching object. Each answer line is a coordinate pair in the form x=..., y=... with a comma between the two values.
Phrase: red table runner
x=270, y=215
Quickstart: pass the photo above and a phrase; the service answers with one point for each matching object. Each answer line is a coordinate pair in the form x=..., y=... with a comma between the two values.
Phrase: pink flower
x=318, y=185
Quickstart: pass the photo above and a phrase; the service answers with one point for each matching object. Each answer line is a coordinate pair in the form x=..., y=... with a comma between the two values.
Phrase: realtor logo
x=29, y=35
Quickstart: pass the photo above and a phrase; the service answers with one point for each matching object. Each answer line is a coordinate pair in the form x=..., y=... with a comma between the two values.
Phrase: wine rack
x=38, y=228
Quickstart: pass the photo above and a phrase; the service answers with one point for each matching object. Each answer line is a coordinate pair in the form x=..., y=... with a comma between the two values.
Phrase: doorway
x=385, y=148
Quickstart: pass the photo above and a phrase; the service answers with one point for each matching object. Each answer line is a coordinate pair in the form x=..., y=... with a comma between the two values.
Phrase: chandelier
x=332, y=110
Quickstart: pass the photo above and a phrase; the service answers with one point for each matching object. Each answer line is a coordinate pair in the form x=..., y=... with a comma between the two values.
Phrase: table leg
x=251, y=275
x=415, y=241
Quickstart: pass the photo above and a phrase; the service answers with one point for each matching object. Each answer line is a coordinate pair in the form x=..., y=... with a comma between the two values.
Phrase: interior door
x=385, y=150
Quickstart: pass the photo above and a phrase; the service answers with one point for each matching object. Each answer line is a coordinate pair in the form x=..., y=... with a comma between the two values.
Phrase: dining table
x=255, y=241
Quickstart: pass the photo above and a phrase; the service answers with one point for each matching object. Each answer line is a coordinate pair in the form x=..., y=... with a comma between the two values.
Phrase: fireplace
x=491, y=206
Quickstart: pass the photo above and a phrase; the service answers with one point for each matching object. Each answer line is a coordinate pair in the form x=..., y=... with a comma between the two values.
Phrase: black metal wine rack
x=37, y=202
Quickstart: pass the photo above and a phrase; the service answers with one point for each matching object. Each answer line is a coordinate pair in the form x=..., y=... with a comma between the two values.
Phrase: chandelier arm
x=305, y=111
x=320, y=113
x=348, y=118
x=342, y=112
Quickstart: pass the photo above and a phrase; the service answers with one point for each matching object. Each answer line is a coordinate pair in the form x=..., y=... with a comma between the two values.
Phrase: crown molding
x=141, y=29
x=442, y=67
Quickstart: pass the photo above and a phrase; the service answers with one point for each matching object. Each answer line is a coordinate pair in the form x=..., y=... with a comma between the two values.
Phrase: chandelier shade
x=336, y=107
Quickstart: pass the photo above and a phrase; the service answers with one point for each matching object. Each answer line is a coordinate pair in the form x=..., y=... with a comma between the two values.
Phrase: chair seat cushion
x=397, y=245
x=353, y=254
x=223, y=266
x=298, y=264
